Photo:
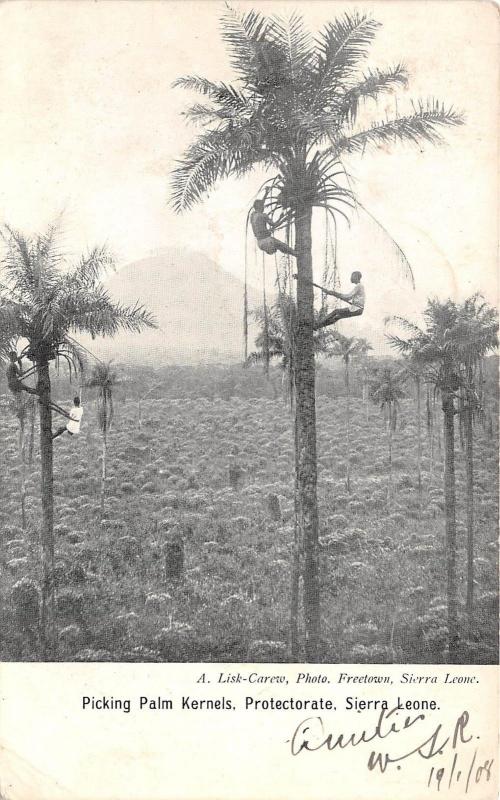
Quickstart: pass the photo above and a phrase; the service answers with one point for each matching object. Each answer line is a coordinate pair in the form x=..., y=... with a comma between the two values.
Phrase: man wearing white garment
x=75, y=417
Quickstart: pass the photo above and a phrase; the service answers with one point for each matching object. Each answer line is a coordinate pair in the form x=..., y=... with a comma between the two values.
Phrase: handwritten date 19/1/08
x=461, y=772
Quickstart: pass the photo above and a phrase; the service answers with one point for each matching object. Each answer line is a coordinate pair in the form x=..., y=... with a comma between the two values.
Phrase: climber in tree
x=74, y=417
x=355, y=298
x=14, y=375
x=262, y=226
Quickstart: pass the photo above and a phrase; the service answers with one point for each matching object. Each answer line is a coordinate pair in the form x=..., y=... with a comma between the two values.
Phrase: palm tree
x=454, y=340
x=478, y=330
x=365, y=368
x=104, y=379
x=275, y=338
x=294, y=111
x=41, y=303
x=416, y=372
x=437, y=348
x=387, y=389
x=348, y=348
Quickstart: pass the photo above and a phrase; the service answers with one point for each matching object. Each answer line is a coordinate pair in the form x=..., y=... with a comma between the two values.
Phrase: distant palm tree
x=386, y=391
x=104, y=379
x=454, y=340
x=416, y=372
x=365, y=369
x=295, y=111
x=41, y=303
x=347, y=348
x=275, y=339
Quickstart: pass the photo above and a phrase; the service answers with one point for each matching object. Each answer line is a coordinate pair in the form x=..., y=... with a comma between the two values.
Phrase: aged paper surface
x=92, y=129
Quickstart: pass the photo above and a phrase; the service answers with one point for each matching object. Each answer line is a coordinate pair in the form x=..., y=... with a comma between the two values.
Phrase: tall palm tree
x=478, y=330
x=454, y=340
x=437, y=348
x=294, y=111
x=386, y=390
x=104, y=379
x=347, y=348
x=41, y=302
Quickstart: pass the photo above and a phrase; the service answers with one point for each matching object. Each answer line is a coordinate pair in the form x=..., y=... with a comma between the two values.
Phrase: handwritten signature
x=456, y=756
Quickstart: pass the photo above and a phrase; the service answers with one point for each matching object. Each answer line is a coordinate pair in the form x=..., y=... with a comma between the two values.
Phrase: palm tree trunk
x=389, y=444
x=294, y=594
x=440, y=434
x=419, y=440
x=451, y=527
x=46, y=455
x=365, y=397
x=32, y=413
x=348, y=429
x=22, y=458
x=103, y=471
x=430, y=434
x=469, y=469
x=306, y=465
x=265, y=345
x=245, y=304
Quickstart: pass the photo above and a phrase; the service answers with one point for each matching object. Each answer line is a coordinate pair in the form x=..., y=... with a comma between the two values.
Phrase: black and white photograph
x=249, y=334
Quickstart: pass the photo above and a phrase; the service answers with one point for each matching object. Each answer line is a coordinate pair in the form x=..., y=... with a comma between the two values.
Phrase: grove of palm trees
x=331, y=496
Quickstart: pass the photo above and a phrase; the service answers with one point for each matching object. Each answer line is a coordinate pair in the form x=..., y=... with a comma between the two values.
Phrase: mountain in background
x=198, y=307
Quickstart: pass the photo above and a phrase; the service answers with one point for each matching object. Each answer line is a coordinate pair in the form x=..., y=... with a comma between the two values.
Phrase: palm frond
x=403, y=323
x=31, y=265
x=297, y=45
x=242, y=34
x=11, y=325
x=342, y=45
x=422, y=126
x=202, y=114
x=374, y=83
x=93, y=265
x=225, y=95
x=399, y=344
x=91, y=310
x=214, y=156
x=260, y=356
x=403, y=260
x=47, y=245
x=74, y=356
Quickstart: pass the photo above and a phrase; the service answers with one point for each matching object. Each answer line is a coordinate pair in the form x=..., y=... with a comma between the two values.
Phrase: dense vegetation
x=193, y=558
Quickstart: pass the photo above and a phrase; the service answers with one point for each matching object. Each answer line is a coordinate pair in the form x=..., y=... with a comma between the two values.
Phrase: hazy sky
x=90, y=123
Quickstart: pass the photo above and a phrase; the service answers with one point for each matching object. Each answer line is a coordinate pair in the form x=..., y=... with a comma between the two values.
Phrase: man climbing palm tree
x=355, y=298
x=74, y=420
x=14, y=374
x=262, y=226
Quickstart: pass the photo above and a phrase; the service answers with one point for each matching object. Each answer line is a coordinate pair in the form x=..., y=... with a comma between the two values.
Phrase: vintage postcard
x=249, y=400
